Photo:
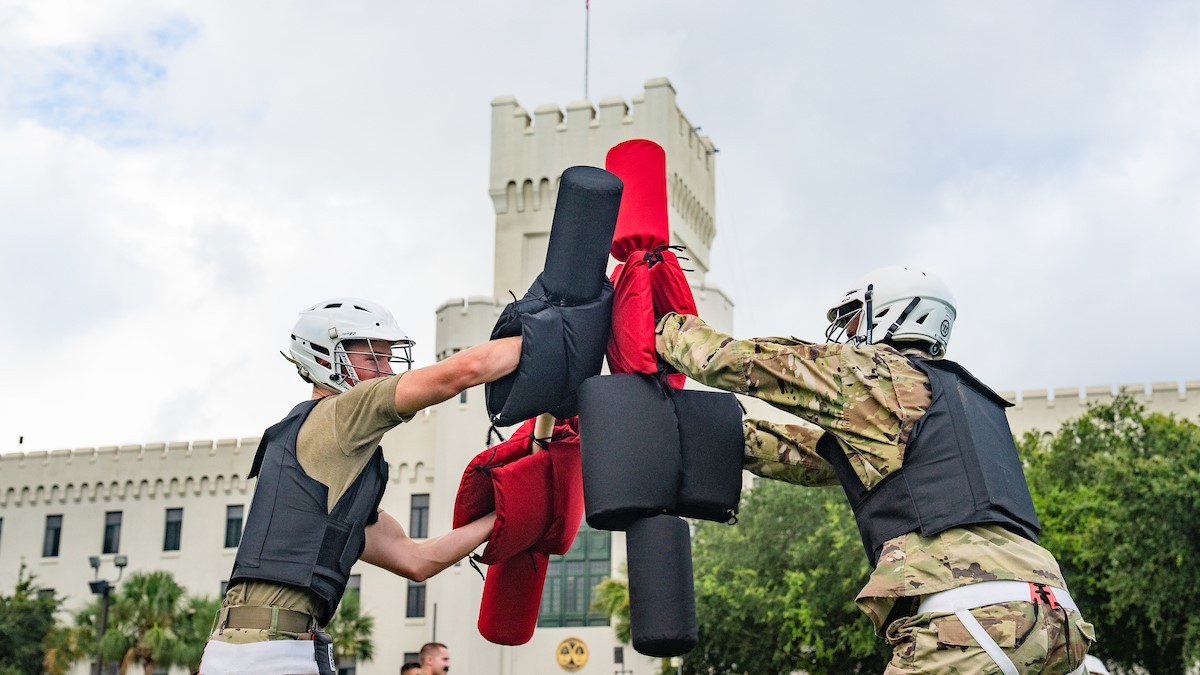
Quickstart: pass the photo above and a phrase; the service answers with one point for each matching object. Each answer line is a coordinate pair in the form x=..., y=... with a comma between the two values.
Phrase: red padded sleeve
x=671, y=293
x=539, y=507
x=650, y=283
x=631, y=342
x=512, y=595
x=642, y=219
x=566, y=465
x=524, y=506
x=476, y=494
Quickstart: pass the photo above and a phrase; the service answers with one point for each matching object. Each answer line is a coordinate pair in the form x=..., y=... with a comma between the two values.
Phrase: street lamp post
x=103, y=588
x=619, y=661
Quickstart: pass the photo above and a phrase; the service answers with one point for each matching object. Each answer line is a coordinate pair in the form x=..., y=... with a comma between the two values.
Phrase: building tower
x=529, y=154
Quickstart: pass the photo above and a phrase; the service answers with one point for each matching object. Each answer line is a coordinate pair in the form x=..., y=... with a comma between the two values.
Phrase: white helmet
x=318, y=349
x=1095, y=665
x=905, y=305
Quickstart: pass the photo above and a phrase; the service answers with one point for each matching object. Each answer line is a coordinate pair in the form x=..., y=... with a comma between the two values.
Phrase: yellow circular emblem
x=572, y=654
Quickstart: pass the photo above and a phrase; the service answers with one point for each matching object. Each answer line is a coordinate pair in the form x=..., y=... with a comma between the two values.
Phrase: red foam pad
x=671, y=293
x=476, y=493
x=538, y=497
x=631, y=342
x=524, y=506
x=512, y=595
x=642, y=219
x=538, y=500
x=643, y=293
x=566, y=464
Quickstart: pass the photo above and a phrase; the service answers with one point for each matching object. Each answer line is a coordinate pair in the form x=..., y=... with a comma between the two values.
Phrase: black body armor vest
x=960, y=468
x=290, y=537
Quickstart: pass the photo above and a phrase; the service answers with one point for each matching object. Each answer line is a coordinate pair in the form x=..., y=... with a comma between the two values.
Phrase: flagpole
x=587, y=29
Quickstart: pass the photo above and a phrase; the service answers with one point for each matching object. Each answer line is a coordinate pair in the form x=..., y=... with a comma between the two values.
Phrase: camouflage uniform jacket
x=868, y=398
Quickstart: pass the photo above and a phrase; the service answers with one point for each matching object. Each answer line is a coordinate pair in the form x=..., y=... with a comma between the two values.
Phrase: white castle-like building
x=179, y=506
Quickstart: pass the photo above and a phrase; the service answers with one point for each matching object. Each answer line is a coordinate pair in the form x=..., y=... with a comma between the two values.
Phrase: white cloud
x=180, y=178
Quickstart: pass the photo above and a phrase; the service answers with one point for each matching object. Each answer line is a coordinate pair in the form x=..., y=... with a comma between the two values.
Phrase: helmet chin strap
x=345, y=371
x=869, y=313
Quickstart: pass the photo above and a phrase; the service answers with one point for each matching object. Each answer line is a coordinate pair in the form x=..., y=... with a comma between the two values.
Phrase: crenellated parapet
x=1046, y=409
x=126, y=472
x=111, y=491
x=130, y=473
x=464, y=322
x=530, y=152
x=415, y=473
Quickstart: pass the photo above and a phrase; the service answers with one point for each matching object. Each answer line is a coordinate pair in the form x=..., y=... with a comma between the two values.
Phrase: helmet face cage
x=380, y=352
x=840, y=322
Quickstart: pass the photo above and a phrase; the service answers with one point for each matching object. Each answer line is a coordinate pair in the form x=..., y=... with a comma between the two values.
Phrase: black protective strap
x=869, y=312
x=900, y=319
x=493, y=431
x=654, y=257
x=473, y=561
x=831, y=451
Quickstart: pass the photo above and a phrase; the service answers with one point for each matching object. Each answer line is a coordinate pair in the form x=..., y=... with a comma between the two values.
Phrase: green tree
x=1118, y=494
x=611, y=598
x=193, y=628
x=26, y=619
x=775, y=593
x=351, y=630
x=63, y=650
x=151, y=622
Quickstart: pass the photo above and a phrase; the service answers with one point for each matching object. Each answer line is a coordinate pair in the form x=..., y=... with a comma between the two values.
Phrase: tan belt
x=274, y=619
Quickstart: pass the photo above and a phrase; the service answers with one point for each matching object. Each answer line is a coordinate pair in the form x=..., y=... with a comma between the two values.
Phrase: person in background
x=435, y=659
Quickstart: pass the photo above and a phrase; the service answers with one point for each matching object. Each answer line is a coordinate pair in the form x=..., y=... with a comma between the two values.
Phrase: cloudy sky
x=177, y=179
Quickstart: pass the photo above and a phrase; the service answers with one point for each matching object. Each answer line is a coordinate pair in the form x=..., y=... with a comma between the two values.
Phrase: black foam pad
x=585, y=340
x=561, y=347
x=712, y=445
x=662, y=602
x=630, y=443
x=537, y=385
x=585, y=217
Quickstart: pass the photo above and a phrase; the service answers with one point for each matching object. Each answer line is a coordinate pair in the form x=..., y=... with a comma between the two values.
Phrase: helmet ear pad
x=932, y=350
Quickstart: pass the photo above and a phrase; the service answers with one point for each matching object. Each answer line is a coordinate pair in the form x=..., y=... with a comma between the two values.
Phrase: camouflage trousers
x=1038, y=640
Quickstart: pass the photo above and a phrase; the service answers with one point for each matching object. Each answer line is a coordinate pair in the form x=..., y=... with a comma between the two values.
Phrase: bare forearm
x=433, y=384
x=389, y=547
x=494, y=359
x=438, y=553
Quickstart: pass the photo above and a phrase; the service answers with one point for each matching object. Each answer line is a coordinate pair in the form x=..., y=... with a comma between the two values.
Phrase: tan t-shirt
x=342, y=431
x=335, y=443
